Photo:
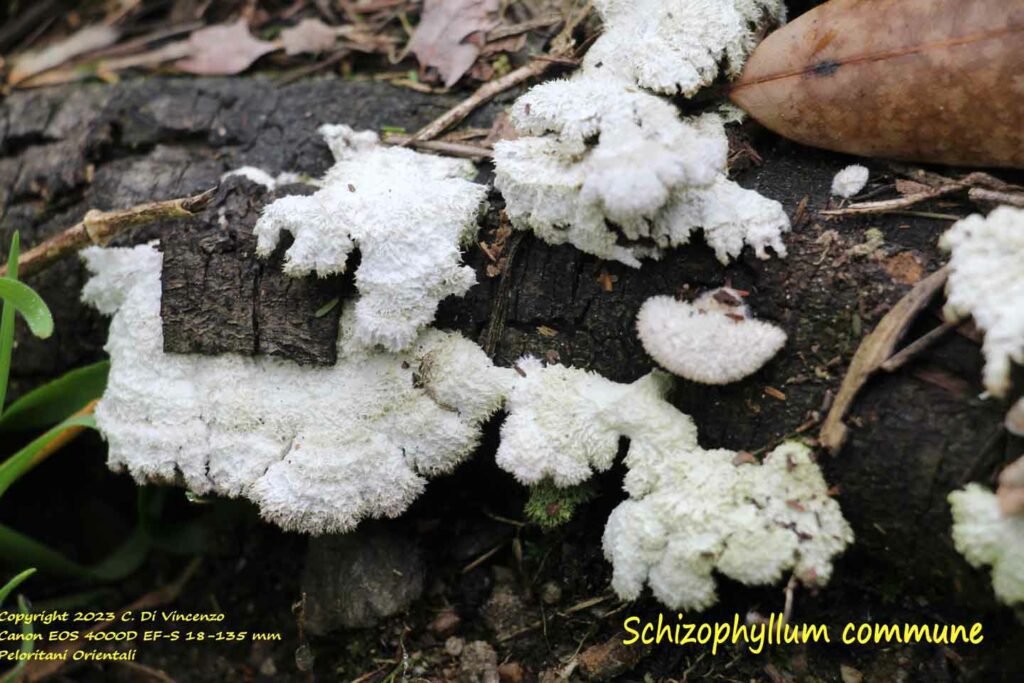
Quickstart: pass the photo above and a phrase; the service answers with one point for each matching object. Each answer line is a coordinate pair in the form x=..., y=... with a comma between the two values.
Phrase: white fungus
x=986, y=537
x=986, y=281
x=850, y=181
x=713, y=340
x=318, y=449
x=408, y=213
x=612, y=169
x=679, y=46
x=691, y=511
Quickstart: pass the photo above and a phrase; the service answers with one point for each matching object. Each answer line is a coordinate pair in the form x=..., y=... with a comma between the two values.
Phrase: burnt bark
x=916, y=434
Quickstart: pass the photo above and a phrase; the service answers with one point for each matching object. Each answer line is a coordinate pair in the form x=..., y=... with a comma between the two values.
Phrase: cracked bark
x=914, y=434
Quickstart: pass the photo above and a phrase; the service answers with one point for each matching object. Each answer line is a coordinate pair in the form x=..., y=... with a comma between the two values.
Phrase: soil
x=916, y=434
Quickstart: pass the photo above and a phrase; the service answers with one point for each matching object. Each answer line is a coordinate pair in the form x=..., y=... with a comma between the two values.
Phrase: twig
x=887, y=205
x=875, y=349
x=982, y=195
x=918, y=346
x=562, y=47
x=523, y=27
x=483, y=558
x=453, y=149
x=304, y=71
x=586, y=604
x=99, y=227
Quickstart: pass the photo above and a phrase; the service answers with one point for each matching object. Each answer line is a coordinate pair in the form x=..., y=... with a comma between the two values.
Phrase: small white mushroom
x=850, y=181
x=713, y=340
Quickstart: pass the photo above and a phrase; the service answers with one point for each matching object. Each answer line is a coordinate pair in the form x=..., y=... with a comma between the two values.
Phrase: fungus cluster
x=409, y=214
x=986, y=281
x=614, y=170
x=713, y=340
x=318, y=449
x=690, y=512
x=987, y=536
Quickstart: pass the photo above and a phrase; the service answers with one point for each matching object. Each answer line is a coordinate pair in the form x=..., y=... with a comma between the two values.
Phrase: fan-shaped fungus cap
x=713, y=340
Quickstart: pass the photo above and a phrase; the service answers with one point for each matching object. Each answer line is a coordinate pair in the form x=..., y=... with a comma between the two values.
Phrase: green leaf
x=9, y=587
x=31, y=306
x=54, y=401
x=27, y=643
x=22, y=461
x=7, y=321
x=17, y=548
x=326, y=308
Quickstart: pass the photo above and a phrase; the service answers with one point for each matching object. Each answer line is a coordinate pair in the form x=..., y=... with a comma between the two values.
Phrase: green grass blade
x=31, y=306
x=18, y=548
x=9, y=587
x=7, y=321
x=54, y=401
x=27, y=644
x=22, y=461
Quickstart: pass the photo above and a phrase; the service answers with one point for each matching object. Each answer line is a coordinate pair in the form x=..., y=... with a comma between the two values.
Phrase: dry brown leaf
x=90, y=38
x=1010, y=494
x=223, y=50
x=308, y=36
x=1015, y=418
x=450, y=33
x=874, y=350
x=923, y=80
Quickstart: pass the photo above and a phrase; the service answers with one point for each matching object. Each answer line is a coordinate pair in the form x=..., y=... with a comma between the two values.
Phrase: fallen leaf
x=874, y=350
x=923, y=80
x=223, y=50
x=90, y=38
x=449, y=35
x=905, y=268
x=308, y=36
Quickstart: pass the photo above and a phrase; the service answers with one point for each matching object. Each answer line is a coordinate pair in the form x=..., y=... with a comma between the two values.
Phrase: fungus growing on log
x=986, y=536
x=713, y=340
x=409, y=214
x=597, y=151
x=318, y=449
x=986, y=281
x=691, y=511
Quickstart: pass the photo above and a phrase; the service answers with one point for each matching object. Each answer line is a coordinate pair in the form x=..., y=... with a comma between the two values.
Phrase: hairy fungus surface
x=713, y=340
x=318, y=449
x=850, y=181
x=691, y=511
x=987, y=537
x=986, y=281
x=409, y=214
x=613, y=169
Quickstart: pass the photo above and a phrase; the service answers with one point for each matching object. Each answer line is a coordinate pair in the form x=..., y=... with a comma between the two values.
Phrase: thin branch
x=981, y=195
x=887, y=205
x=916, y=347
x=452, y=149
x=561, y=48
x=99, y=227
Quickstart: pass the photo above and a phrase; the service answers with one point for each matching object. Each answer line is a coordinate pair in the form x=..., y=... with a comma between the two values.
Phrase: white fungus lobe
x=986, y=537
x=713, y=340
x=317, y=449
x=679, y=46
x=986, y=281
x=691, y=511
x=409, y=214
x=612, y=169
x=850, y=181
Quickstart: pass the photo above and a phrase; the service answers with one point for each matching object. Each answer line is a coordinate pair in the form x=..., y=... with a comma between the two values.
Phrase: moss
x=550, y=507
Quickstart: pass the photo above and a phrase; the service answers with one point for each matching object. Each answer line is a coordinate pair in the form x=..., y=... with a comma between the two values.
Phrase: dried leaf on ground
x=901, y=80
x=223, y=50
x=450, y=33
x=90, y=38
x=308, y=36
